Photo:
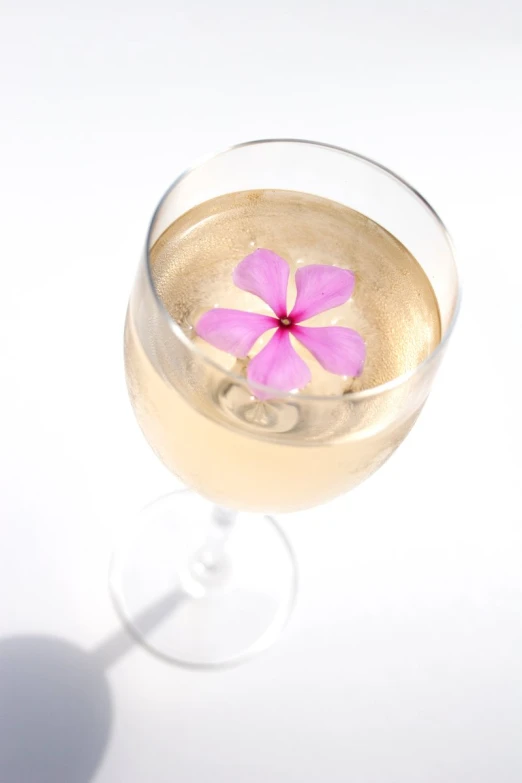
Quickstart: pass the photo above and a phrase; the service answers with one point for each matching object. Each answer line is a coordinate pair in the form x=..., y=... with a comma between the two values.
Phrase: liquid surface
x=276, y=455
x=393, y=306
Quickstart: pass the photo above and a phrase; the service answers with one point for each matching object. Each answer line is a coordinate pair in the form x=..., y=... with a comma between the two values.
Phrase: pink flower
x=338, y=349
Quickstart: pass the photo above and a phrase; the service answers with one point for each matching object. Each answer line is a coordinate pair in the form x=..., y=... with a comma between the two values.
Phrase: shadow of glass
x=55, y=703
x=55, y=711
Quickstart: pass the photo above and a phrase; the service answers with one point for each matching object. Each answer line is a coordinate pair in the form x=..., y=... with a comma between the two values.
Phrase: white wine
x=190, y=399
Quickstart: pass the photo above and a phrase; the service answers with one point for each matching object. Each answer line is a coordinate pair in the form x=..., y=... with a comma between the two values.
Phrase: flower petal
x=278, y=366
x=233, y=331
x=320, y=288
x=264, y=274
x=338, y=349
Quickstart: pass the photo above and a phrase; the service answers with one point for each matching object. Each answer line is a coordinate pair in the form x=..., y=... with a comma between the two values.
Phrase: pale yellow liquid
x=205, y=425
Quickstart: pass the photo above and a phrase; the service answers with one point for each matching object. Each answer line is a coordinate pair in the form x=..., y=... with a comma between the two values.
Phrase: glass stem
x=209, y=565
x=213, y=550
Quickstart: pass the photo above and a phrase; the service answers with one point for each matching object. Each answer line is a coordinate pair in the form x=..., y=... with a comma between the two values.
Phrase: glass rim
x=382, y=388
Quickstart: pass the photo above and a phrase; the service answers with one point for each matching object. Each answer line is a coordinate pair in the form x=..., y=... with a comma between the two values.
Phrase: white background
x=403, y=660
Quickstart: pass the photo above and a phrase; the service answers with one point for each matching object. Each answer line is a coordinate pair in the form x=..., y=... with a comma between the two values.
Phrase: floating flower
x=338, y=349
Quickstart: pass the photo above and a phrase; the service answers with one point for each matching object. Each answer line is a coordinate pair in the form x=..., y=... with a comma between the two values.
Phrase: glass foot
x=201, y=587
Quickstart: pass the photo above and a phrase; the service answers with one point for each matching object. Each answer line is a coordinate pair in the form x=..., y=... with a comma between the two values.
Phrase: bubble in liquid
x=188, y=329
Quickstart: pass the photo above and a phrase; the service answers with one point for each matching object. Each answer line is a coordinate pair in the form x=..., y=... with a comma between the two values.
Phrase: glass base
x=195, y=599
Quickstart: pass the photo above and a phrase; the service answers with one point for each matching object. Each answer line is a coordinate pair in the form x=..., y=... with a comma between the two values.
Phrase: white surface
x=403, y=660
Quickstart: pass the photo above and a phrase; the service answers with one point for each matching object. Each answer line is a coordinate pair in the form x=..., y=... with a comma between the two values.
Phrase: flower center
x=286, y=322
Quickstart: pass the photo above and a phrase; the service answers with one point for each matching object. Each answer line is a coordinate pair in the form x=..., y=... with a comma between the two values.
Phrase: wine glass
x=243, y=449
